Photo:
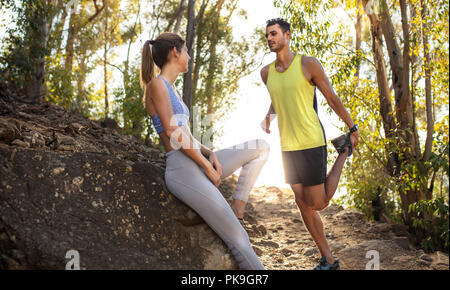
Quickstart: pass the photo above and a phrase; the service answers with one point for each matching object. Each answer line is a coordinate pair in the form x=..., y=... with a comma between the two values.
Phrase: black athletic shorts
x=308, y=166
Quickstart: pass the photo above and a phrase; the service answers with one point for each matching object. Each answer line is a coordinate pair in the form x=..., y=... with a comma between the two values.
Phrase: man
x=291, y=81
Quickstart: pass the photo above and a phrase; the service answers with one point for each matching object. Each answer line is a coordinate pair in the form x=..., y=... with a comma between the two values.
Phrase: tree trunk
x=69, y=43
x=136, y=124
x=411, y=152
x=358, y=38
x=414, y=80
x=426, y=67
x=81, y=101
x=400, y=67
x=59, y=27
x=406, y=112
x=176, y=18
x=394, y=52
x=384, y=92
x=201, y=12
x=198, y=49
x=190, y=33
x=40, y=32
x=105, y=67
x=209, y=87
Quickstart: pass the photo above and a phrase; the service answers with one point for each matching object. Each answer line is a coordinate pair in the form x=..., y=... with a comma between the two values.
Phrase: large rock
x=331, y=210
x=116, y=213
x=349, y=214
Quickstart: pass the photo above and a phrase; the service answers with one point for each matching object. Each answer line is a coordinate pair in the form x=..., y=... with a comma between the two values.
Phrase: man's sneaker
x=341, y=143
x=324, y=265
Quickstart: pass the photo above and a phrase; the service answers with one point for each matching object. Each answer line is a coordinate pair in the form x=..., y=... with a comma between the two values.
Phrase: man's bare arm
x=265, y=124
x=321, y=80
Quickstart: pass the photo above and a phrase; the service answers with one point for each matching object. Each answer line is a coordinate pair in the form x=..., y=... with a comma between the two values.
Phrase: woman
x=193, y=171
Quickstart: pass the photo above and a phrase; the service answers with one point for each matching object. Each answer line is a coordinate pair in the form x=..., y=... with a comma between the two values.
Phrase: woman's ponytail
x=156, y=52
x=147, y=67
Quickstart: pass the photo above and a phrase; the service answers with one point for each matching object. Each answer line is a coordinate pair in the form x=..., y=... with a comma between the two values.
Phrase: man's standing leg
x=313, y=223
x=311, y=199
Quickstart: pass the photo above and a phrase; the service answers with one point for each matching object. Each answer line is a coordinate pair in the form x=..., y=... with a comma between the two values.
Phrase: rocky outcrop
x=67, y=183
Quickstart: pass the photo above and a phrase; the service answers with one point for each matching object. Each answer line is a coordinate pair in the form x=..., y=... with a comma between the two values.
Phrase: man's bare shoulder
x=312, y=66
x=310, y=61
x=265, y=73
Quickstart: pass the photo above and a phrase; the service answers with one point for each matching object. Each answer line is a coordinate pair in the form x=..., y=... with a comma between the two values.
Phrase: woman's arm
x=205, y=150
x=182, y=138
x=179, y=136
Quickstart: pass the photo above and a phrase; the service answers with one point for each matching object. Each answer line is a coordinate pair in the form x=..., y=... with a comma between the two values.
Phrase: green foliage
x=311, y=25
x=369, y=186
x=71, y=61
x=59, y=83
x=436, y=226
x=128, y=104
x=23, y=51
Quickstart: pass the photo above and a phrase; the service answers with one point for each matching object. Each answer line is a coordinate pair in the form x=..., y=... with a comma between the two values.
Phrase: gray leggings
x=189, y=183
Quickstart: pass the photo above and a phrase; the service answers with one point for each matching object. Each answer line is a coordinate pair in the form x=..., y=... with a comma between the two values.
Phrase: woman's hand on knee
x=213, y=175
x=215, y=162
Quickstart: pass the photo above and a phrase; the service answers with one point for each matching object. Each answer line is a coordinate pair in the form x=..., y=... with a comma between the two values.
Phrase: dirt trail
x=280, y=239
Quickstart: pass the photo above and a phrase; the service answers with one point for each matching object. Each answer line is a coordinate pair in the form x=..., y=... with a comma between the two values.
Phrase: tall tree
x=190, y=34
x=409, y=156
x=426, y=67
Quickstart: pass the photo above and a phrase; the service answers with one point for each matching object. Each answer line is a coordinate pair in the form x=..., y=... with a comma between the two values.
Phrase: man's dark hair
x=285, y=26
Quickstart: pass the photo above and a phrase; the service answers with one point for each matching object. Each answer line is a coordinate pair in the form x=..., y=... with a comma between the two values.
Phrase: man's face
x=276, y=39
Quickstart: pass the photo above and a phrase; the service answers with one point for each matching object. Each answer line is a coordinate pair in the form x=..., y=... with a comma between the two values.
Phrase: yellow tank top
x=294, y=101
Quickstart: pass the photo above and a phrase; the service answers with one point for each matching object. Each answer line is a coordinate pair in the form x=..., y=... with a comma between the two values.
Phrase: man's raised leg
x=317, y=197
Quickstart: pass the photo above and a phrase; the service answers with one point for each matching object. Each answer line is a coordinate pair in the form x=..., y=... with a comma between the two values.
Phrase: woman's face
x=183, y=58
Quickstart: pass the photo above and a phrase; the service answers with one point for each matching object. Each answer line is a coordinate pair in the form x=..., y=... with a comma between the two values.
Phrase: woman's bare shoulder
x=155, y=84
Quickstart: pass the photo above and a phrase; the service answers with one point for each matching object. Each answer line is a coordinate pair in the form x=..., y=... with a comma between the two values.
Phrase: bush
x=435, y=224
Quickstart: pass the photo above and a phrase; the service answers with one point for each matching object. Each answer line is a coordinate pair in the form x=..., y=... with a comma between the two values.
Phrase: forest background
x=387, y=61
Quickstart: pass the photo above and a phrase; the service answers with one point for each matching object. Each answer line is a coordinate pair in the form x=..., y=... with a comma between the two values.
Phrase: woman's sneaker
x=341, y=143
x=324, y=265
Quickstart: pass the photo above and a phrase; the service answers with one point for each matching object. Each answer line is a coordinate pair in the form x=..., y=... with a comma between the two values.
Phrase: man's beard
x=275, y=48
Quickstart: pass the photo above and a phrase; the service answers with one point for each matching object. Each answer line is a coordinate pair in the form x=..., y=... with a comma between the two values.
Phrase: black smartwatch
x=354, y=129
